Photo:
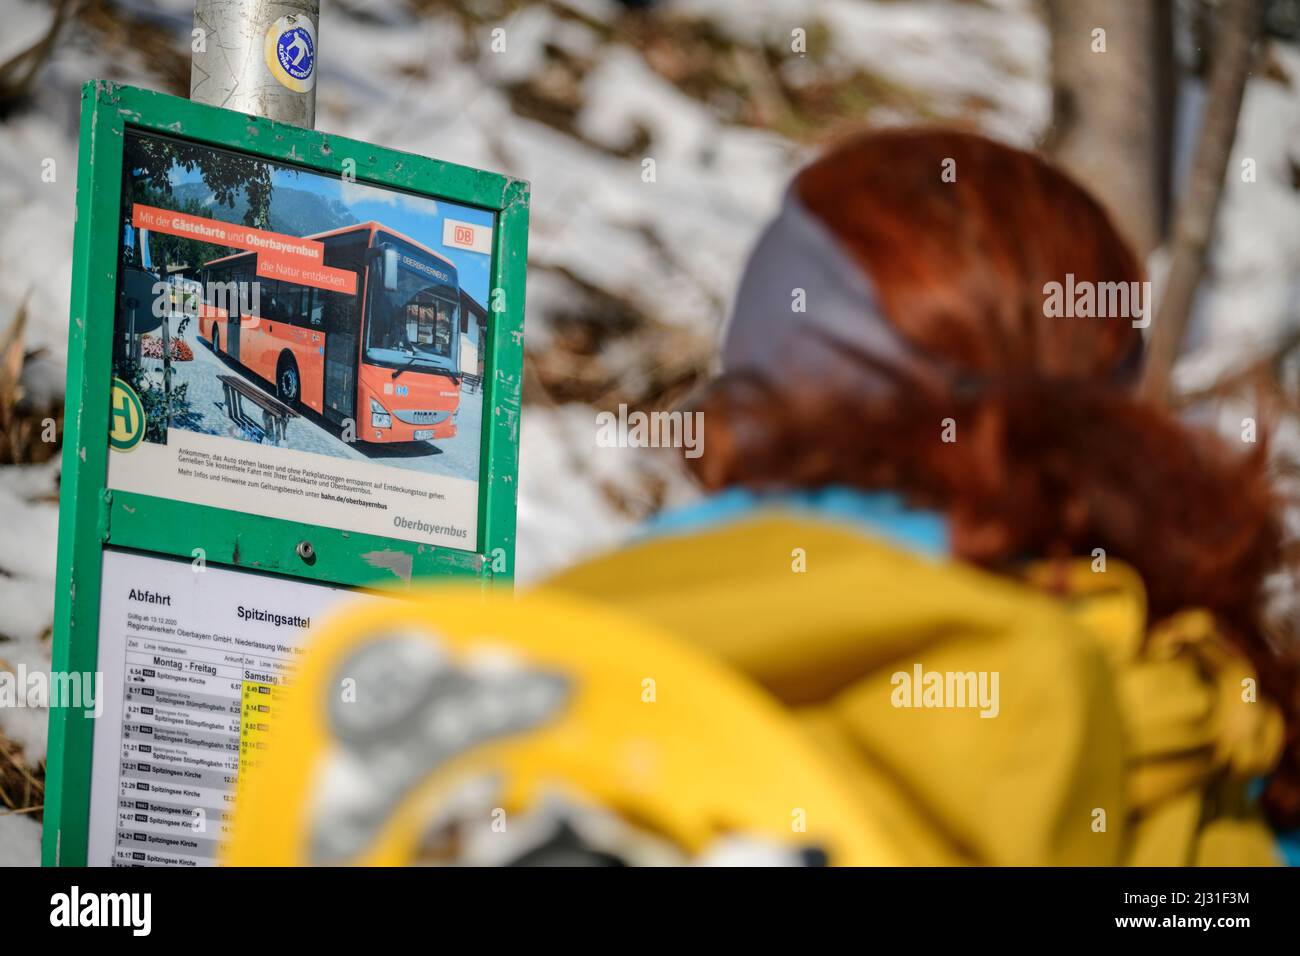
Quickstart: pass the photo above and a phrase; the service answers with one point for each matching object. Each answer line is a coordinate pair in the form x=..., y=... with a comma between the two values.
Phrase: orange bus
x=386, y=358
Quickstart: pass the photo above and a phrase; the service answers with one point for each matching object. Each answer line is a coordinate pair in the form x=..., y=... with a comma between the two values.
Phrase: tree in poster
x=150, y=162
x=167, y=250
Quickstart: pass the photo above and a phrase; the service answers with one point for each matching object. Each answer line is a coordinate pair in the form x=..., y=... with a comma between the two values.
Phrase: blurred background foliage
x=630, y=281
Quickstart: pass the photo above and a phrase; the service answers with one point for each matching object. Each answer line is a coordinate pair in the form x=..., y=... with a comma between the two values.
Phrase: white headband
x=841, y=330
x=798, y=264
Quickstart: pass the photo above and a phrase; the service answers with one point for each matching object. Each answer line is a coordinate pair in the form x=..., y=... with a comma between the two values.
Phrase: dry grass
x=29, y=434
x=22, y=788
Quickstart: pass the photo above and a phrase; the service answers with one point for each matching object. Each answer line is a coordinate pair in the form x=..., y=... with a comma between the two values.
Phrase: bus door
x=341, y=322
x=234, y=312
x=341, y=314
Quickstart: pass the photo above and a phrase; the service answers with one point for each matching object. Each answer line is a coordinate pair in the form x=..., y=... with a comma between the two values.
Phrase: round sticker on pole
x=291, y=52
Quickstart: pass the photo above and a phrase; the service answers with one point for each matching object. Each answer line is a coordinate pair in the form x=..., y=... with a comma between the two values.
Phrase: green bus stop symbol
x=126, y=419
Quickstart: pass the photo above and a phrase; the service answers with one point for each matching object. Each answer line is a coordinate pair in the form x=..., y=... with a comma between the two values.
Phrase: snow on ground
x=953, y=52
x=29, y=518
x=666, y=247
x=575, y=496
x=25, y=22
x=20, y=841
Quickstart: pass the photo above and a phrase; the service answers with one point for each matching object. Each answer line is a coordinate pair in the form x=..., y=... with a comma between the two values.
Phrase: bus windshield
x=415, y=325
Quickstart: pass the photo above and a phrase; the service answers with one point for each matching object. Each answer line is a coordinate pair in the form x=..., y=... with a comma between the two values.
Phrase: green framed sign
x=294, y=359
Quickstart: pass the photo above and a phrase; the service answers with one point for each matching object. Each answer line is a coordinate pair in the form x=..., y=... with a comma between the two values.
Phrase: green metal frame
x=91, y=517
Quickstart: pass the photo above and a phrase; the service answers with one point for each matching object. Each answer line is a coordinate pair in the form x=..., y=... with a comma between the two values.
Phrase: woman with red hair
x=1017, y=608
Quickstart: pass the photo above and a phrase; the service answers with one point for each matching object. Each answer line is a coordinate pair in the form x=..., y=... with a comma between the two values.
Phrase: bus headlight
x=379, y=417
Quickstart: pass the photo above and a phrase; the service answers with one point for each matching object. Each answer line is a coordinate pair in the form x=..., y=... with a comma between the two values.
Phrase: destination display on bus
x=307, y=344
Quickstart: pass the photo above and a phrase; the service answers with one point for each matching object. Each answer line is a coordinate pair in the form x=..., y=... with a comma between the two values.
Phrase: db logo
x=466, y=235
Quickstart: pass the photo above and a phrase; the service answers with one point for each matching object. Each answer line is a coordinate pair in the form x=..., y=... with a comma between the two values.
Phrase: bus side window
x=339, y=311
x=273, y=297
x=316, y=308
x=290, y=305
x=301, y=302
x=211, y=279
x=249, y=290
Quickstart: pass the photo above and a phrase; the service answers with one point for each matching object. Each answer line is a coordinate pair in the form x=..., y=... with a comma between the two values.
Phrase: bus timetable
x=190, y=688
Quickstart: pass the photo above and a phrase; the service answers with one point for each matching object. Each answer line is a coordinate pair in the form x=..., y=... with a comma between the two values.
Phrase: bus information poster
x=288, y=342
x=294, y=379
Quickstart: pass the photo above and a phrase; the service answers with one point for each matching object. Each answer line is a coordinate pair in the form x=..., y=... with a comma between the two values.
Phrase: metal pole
x=257, y=56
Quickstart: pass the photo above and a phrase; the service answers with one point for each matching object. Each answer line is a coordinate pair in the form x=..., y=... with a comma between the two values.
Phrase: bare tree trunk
x=1199, y=205
x=1113, y=87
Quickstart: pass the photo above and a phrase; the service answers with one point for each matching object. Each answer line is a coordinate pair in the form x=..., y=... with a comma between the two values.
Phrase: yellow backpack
x=466, y=728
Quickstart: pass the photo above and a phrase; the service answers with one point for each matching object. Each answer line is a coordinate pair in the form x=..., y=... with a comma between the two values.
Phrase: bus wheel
x=287, y=382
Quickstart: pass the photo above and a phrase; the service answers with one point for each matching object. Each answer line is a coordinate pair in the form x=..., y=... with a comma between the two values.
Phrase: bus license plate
x=423, y=434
